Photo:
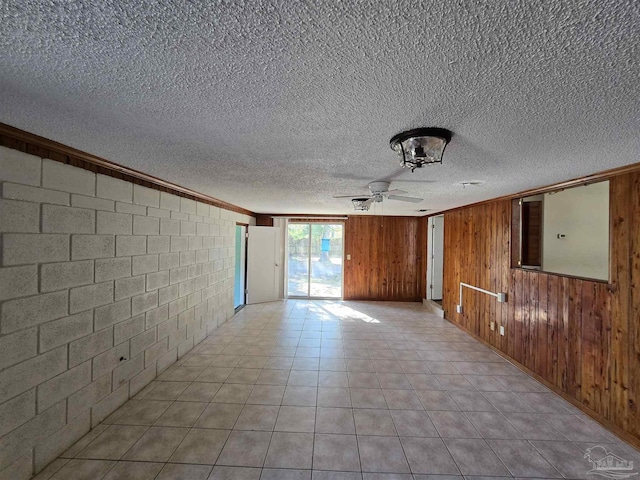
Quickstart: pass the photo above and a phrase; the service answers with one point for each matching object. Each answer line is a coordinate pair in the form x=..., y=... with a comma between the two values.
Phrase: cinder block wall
x=103, y=285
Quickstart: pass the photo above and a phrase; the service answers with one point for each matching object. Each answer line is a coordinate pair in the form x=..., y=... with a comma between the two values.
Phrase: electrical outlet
x=459, y=308
x=493, y=326
x=502, y=330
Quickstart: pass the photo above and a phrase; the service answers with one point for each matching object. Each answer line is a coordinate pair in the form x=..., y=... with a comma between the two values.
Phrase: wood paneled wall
x=388, y=258
x=583, y=337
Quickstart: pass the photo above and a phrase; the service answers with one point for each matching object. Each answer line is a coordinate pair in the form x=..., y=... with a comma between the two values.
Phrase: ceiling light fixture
x=420, y=146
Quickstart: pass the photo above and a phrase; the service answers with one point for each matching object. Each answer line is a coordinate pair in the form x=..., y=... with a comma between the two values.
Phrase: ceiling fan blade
x=356, y=195
x=405, y=199
x=393, y=192
x=402, y=180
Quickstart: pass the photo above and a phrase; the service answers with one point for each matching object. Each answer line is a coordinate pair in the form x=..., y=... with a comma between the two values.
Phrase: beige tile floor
x=339, y=390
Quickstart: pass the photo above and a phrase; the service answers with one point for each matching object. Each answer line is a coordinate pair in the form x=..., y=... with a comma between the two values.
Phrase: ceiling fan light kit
x=420, y=146
x=362, y=204
x=378, y=192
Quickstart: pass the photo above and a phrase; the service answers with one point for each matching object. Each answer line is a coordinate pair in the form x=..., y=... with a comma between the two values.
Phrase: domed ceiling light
x=420, y=146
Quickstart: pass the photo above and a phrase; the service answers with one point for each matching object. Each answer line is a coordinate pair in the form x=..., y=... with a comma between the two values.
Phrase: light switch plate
x=502, y=330
x=493, y=326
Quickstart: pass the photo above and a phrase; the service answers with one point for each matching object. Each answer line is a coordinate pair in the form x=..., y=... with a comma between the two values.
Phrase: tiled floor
x=339, y=390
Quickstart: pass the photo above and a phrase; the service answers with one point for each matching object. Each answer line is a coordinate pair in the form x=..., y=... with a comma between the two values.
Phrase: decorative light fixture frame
x=410, y=158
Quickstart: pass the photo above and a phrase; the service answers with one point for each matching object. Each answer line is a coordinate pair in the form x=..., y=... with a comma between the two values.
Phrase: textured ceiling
x=278, y=105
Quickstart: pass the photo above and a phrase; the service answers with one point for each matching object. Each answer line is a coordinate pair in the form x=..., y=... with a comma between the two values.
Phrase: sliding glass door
x=315, y=253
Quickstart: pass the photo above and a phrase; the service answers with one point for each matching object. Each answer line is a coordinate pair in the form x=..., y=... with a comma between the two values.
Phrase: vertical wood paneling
x=531, y=343
x=525, y=341
x=620, y=221
x=542, y=324
x=634, y=306
x=588, y=345
x=574, y=364
x=388, y=258
x=564, y=345
x=602, y=358
x=579, y=335
x=505, y=283
x=492, y=275
x=553, y=287
x=518, y=314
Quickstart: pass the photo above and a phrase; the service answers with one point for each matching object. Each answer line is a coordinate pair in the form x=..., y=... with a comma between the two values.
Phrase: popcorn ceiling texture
x=103, y=285
x=277, y=106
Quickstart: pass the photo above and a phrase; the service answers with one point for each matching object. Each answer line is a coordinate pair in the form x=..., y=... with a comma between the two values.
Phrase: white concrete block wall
x=103, y=284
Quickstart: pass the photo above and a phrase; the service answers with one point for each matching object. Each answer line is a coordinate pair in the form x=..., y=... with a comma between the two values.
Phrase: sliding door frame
x=245, y=228
x=286, y=266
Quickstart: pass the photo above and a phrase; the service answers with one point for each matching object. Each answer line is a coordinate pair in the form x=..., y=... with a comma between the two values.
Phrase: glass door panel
x=326, y=260
x=315, y=260
x=298, y=272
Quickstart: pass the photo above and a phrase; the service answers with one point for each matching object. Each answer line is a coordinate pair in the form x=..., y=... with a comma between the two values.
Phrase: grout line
x=248, y=324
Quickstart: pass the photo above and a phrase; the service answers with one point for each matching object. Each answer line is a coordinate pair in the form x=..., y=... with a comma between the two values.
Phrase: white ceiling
x=278, y=105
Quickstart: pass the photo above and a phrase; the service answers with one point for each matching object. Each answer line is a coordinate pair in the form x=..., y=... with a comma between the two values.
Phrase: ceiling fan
x=378, y=192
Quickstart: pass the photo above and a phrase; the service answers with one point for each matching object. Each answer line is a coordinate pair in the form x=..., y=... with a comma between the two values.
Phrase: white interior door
x=263, y=267
x=437, y=257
